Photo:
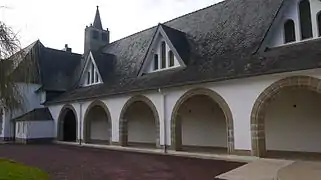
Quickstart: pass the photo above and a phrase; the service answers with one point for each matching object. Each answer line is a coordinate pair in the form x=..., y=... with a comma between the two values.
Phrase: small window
x=171, y=58
x=305, y=19
x=289, y=31
x=95, y=34
x=155, y=61
x=92, y=73
x=96, y=77
x=104, y=36
x=88, y=77
x=319, y=22
x=163, y=54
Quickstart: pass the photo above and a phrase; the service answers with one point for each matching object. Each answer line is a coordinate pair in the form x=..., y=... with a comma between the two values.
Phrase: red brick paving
x=79, y=163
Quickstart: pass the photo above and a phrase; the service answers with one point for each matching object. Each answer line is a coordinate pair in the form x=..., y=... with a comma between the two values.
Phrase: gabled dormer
x=168, y=50
x=90, y=75
x=297, y=21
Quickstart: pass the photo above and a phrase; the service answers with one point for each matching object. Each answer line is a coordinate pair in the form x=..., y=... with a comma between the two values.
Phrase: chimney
x=67, y=49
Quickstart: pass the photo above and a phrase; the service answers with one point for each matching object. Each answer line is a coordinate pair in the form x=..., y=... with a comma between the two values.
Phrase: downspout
x=80, y=124
x=164, y=119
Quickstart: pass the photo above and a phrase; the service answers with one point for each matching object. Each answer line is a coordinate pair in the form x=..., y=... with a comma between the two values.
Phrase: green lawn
x=10, y=170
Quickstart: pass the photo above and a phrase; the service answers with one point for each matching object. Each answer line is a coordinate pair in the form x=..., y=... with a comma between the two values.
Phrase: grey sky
x=59, y=22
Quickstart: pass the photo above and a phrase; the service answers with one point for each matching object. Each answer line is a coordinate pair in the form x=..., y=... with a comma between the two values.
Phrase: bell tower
x=95, y=35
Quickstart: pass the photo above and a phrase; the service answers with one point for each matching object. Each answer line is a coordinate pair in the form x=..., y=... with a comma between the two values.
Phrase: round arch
x=87, y=130
x=176, y=139
x=265, y=98
x=123, y=125
x=61, y=118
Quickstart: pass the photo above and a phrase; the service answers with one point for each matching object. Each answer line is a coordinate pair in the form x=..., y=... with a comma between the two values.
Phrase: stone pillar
x=258, y=140
x=123, y=132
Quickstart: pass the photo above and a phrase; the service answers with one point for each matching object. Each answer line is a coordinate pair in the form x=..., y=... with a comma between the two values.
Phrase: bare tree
x=11, y=57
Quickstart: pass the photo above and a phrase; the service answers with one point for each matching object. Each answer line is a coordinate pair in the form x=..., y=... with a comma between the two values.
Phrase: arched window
x=92, y=73
x=155, y=61
x=171, y=58
x=319, y=22
x=163, y=54
x=305, y=19
x=289, y=31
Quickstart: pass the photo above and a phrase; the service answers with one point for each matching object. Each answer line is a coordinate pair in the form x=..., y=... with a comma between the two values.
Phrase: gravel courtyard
x=79, y=163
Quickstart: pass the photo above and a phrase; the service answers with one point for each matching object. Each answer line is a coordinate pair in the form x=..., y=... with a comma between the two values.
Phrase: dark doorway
x=69, y=127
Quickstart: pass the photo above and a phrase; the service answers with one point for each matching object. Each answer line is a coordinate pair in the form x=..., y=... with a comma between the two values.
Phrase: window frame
x=285, y=31
x=318, y=18
x=303, y=22
x=171, y=59
x=163, y=55
x=156, y=62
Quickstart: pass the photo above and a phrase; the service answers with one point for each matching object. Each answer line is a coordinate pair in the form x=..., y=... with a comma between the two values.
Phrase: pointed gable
x=168, y=49
x=90, y=75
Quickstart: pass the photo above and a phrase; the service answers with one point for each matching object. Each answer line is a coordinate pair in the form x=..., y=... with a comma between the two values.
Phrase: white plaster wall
x=40, y=129
x=99, y=127
x=240, y=94
x=290, y=128
x=22, y=129
x=203, y=123
x=290, y=11
x=31, y=100
x=141, y=123
x=55, y=111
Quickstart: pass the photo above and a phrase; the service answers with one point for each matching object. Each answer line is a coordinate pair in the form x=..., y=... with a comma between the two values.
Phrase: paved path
x=79, y=163
x=275, y=169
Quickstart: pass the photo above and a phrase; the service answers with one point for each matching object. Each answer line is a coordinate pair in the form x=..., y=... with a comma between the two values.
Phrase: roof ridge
x=224, y=1
x=53, y=49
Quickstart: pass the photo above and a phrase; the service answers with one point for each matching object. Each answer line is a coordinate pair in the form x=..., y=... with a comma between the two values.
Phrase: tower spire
x=97, y=22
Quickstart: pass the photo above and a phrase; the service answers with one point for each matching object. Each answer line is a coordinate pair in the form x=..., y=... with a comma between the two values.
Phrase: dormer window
x=92, y=75
x=163, y=58
x=162, y=54
x=305, y=19
x=289, y=31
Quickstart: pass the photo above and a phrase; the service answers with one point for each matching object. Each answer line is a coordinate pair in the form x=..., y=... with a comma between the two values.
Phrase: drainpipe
x=80, y=122
x=164, y=118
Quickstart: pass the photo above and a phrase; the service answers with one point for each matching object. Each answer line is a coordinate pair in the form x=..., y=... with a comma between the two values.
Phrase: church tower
x=95, y=35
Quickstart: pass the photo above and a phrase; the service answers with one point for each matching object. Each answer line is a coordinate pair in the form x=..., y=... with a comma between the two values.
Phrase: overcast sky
x=59, y=22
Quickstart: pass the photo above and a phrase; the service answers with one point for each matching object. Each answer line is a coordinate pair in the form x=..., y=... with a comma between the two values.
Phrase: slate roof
x=57, y=68
x=222, y=40
x=39, y=114
x=54, y=69
x=105, y=64
x=179, y=41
